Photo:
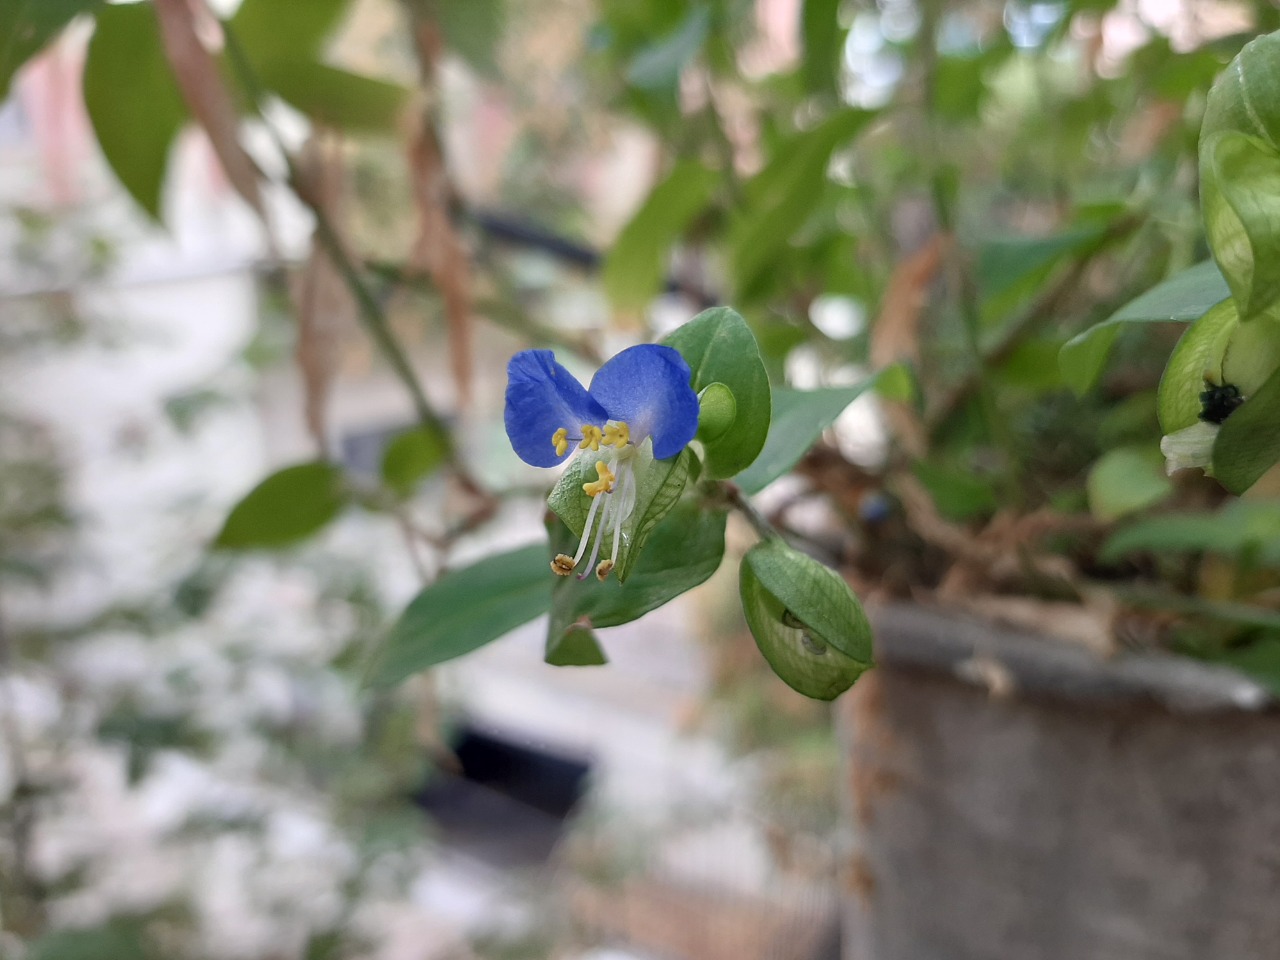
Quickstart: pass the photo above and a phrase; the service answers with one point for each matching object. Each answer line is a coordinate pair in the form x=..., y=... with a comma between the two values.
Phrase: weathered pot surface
x=1016, y=797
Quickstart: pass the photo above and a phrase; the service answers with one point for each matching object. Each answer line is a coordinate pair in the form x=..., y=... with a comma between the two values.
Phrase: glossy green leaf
x=684, y=550
x=1248, y=444
x=659, y=484
x=26, y=26
x=799, y=419
x=411, y=457
x=823, y=38
x=1240, y=200
x=782, y=196
x=464, y=610
x=1182, y=298
x=806, y=621
x=658, y=65
x=1196, y=359
x=720, y=348
x=288, y=506
x=636, y=267
x=132, y=100
x=1126, y=480
x=576, y=646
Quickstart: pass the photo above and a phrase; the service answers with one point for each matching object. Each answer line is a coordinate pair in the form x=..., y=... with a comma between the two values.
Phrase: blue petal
x=542, y=397
x=648, y=387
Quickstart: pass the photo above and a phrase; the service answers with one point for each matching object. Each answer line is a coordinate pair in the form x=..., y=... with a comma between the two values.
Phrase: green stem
x=370, y=311
x=739, y=501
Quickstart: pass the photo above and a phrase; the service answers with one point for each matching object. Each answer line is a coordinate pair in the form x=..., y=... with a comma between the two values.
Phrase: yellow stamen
x=616, y=435
x=591, y=437
x=563, y=565
x=560, y=440
x=604, y=484
x=603, y=571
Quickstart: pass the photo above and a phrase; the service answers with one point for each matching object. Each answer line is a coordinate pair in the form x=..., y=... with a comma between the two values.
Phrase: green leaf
x=799, y=418
x=1126, y=480
x=1185, y=296
x=575, y=647
x=473, y=29
x=658, y=65
x=411, y=457
x=1240, y=200
x=1248, y=444
x=720, y=348
x=464, y=610
x=805, y=620
x=1009, y=269
x=659, y=484
x=684, y=550
x=823, y=38
x=782, y=196
x=1238, y=528
x=285, y=30
x=335, y=97
x=1260, y=659
x=288, y=506
x=958, y=494
x=1252, y=354
x=26, y=26
x=132, y=100
x=120, y=937
x=1197, y=358
x=636, y=267
x=717, y=409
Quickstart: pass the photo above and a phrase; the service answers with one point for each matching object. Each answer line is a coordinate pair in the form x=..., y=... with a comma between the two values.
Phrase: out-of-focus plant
x=925, y=202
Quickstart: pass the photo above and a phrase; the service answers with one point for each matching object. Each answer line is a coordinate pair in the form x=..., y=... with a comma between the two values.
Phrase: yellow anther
x=616, y=435
x=591, y=437
x=560, y=440
x=603, y=571
x=604, y=484
x=562, y=565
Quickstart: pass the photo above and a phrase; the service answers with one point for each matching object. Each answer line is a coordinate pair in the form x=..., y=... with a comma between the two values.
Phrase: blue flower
x=642, y=393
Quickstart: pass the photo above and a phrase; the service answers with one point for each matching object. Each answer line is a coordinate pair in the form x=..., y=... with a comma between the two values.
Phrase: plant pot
x=1016, y=797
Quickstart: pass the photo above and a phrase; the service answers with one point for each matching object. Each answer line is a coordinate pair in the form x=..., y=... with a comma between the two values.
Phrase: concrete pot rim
x=1008, y=661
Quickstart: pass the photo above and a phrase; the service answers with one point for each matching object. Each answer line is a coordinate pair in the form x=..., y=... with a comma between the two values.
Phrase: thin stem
x=370, y=311
x=739, y=501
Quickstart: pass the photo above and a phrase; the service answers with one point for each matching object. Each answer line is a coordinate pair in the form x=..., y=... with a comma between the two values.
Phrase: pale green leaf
x=1126, y=480
x=636, y=267
x=1182, y=298
x=799, y=419
x=1196, y=359
x=658, y=66
x=411, y=457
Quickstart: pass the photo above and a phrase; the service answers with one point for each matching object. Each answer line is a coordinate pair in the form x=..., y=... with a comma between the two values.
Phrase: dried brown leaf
x=323, y=302
x=203, y=89
x=439, y=249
